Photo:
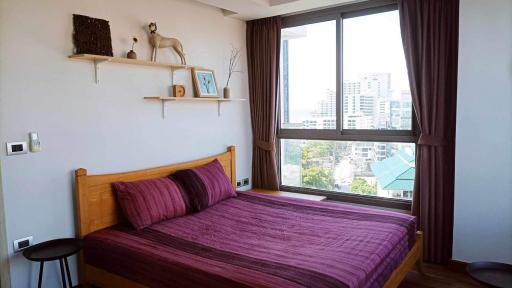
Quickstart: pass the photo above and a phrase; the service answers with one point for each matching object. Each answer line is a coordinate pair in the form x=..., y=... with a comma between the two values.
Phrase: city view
x=375, y=95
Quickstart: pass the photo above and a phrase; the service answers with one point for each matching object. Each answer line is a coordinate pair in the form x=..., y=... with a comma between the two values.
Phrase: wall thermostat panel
x=15, y=148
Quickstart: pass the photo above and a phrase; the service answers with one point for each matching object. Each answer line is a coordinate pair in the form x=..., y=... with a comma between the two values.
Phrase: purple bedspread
x=259, y=241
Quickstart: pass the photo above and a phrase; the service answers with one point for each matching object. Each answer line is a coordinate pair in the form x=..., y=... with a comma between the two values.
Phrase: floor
x=438, y=277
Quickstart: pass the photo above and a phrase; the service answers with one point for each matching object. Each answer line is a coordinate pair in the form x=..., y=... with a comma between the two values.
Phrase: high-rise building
x=358, y=121
x=368, y=97
x=383, y=111
x=377, y=84
x=285, y=82
x=287, y=36
x=324, y=116
x=401, y=112
x=327, y=106
x=351, y=90
x=366, y=104
x=381, y=151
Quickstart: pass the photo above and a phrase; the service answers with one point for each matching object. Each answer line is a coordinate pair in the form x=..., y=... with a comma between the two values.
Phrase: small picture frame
x=205, y=85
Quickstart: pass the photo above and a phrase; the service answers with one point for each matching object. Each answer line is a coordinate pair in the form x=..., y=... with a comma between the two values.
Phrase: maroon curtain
x=263, y=51
x=430, y=38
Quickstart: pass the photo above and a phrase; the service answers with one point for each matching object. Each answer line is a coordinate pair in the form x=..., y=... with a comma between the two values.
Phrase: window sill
x=374, y=201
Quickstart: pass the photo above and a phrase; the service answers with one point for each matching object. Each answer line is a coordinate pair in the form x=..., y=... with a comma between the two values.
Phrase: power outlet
x=242, y=182
x=23, y=243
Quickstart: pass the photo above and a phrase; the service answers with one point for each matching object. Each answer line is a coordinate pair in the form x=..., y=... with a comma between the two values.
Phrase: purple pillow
x=148, y=202
x=205, y=185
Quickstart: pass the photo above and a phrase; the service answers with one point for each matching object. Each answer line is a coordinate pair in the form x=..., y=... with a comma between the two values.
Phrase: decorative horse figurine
x=158, y=41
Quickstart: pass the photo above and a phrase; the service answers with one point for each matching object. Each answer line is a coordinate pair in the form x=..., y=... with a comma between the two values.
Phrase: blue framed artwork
x=204, y=83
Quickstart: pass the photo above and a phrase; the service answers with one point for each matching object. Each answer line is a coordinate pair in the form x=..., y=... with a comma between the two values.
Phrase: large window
x=346, y=118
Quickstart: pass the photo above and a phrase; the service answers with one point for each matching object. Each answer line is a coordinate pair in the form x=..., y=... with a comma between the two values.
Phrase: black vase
x=131, y=55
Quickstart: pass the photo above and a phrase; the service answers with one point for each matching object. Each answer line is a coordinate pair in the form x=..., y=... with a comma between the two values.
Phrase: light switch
x=35, y=143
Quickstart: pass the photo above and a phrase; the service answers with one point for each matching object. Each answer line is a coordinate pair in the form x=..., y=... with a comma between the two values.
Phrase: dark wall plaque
x=91, y=36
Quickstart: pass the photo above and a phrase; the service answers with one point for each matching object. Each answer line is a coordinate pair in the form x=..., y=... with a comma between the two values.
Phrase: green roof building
x=396, y=172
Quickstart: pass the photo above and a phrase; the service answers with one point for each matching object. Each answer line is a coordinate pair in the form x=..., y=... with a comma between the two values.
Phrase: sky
x=371, y=44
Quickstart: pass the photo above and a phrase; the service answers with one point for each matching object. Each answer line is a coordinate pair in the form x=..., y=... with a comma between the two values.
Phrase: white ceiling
x=254, y=9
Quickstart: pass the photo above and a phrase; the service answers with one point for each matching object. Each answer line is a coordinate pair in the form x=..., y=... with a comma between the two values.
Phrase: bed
x=250, y=240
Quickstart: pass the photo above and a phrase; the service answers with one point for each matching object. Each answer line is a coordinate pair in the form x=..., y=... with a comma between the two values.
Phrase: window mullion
x=339, y=75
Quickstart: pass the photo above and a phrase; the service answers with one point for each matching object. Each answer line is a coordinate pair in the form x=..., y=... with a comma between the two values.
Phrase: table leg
x=62, y=274
x=68, y=273
x=40, y=281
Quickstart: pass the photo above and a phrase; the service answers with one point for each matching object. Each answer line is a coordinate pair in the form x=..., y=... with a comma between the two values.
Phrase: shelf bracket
x=164, y=109
x=218, y=108
x=97, y=63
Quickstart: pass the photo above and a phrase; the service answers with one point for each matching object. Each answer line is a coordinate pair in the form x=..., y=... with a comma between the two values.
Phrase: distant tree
x=293, y=152
x=315, y=154
x=360, y=185
x=317, y=177
x=316, y=151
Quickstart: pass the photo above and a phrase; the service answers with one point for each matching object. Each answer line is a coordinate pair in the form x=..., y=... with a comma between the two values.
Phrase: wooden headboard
x=96, y=202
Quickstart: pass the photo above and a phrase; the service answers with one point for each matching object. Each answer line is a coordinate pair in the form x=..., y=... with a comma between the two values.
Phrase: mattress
x=256, y=240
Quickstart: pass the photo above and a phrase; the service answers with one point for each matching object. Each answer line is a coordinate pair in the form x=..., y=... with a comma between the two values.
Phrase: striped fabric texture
x=259, y=241
x=151, y=201
x=205, y=185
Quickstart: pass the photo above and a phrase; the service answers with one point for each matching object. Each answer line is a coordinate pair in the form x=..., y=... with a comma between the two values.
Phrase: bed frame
x=97, y=208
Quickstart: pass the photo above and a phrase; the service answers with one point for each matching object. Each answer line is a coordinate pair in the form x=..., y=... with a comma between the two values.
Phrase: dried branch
x=233, y=63
x=135, y=40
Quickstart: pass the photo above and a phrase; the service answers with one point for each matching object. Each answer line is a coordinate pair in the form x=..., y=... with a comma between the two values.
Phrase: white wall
x=107, y=127
x=483, y=176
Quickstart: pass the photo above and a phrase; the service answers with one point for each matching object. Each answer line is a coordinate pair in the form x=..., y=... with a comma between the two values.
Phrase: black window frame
x=339, y=134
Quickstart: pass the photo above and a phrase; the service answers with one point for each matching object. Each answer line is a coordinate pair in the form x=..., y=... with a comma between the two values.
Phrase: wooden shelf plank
x=101, y=58
x=163, y=98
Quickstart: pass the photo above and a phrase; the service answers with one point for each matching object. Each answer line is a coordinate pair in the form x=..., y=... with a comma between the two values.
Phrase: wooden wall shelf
x=91, y=57
x=98, y=59
x=165, y=99
x=187, y=98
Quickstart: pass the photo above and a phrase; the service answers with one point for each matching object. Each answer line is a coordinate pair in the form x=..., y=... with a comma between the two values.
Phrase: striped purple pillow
x=148, y=202
x=205, y=185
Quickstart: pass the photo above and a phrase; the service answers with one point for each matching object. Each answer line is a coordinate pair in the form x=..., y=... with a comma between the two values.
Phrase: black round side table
x=58, y=249
x=491, y=274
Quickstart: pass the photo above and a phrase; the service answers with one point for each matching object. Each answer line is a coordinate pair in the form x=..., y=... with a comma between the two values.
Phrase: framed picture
x=205, y=84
